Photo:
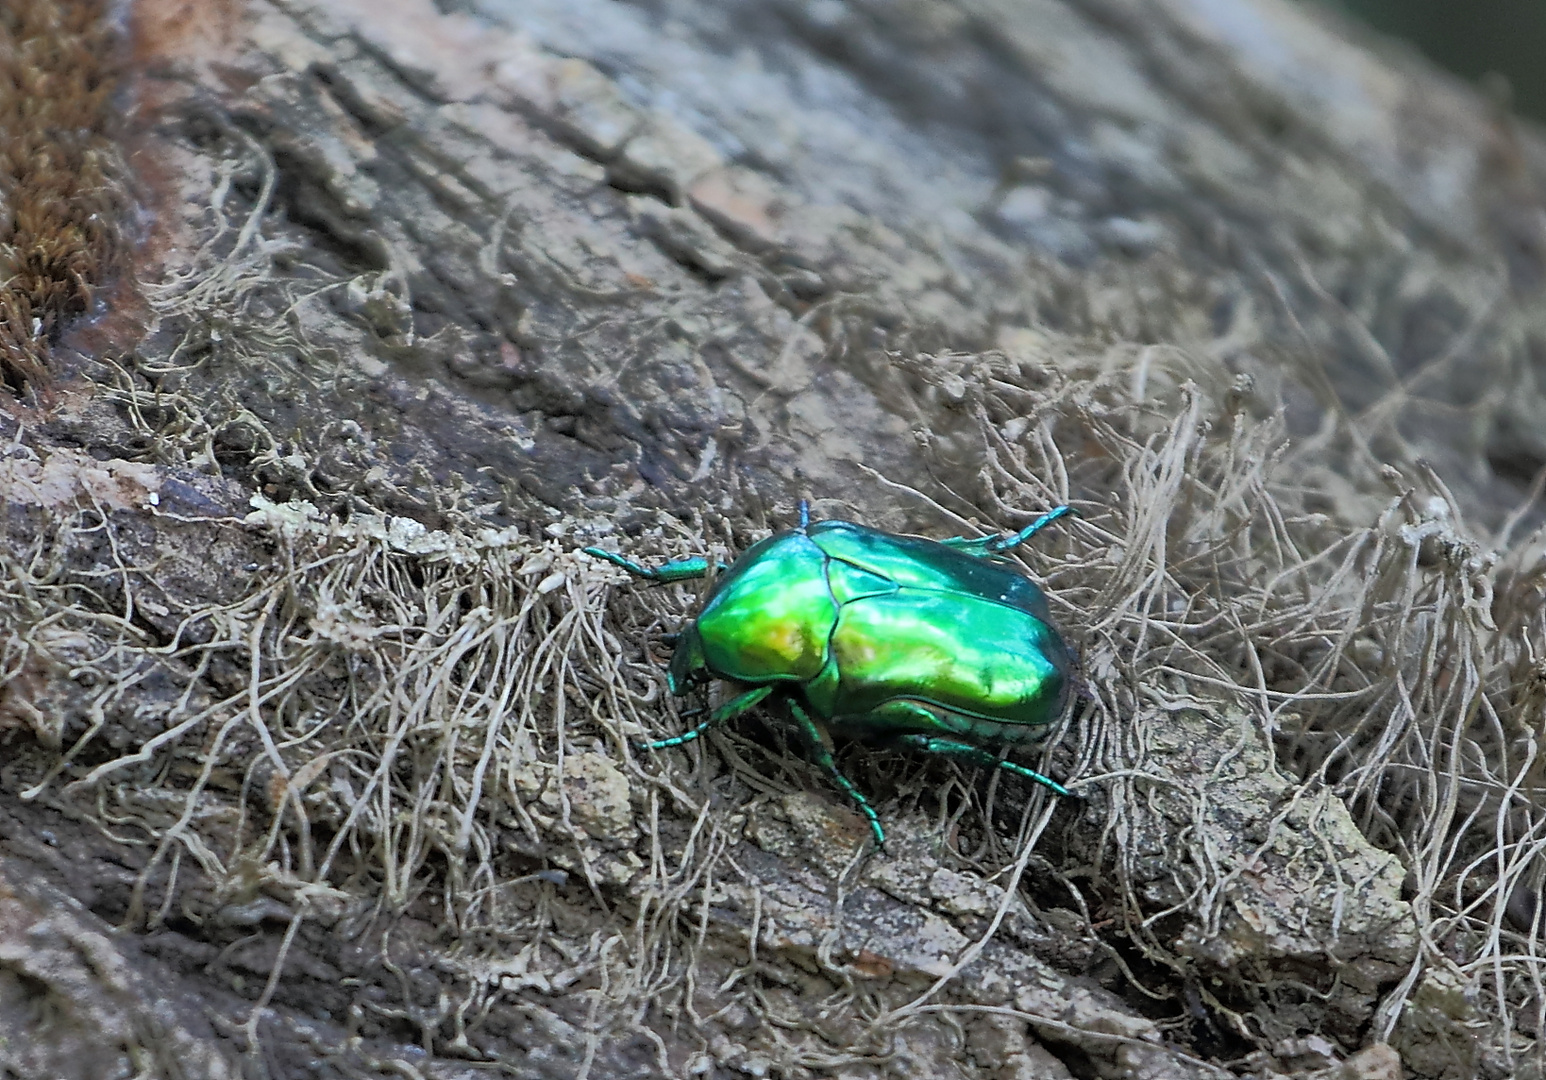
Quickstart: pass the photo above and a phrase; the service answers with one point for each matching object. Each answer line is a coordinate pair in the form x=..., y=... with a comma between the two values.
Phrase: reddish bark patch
x=62, y=199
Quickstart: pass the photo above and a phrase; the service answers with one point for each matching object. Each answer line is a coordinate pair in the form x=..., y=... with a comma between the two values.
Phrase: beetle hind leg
x=985, y=546
x=728, y=711
x=819, y=745
x=976, y=755
x=687, y=569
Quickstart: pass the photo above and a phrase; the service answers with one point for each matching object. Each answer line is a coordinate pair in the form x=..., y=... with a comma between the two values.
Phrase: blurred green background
x=1471, y=38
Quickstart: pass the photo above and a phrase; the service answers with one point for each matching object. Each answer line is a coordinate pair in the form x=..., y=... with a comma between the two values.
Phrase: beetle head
x=689, y=668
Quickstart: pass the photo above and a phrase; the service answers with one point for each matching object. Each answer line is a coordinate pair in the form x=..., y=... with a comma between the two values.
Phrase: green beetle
x=933, y=645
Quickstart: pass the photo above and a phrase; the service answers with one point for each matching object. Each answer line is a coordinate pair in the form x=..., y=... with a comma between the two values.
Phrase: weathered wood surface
x=574, y=263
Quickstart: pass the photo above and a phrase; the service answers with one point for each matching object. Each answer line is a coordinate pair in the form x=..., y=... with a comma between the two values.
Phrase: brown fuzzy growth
x=60, y=199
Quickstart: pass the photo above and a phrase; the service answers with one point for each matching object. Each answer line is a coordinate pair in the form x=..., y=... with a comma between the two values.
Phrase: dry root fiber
x=1309, y=745
x=61, y=200
x=1396, y=660
x=389, y=713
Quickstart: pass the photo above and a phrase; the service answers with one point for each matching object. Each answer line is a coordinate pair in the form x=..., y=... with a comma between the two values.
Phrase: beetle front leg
x=976, y=755
x=819, y=745
x=728, y=711
x=687, y=569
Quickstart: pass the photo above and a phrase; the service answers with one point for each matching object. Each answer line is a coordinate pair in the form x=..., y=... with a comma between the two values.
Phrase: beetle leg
x=805, y=514
x=1014, y=540
x=985, y=546
x=687, y=569
x=976, y=755
x=819, y=744
x=729, y=710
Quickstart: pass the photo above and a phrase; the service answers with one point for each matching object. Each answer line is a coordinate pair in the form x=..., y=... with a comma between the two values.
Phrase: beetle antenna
x=805, y=514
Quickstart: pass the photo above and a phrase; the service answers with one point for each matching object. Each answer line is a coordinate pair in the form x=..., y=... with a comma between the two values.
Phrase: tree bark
x=648, y=273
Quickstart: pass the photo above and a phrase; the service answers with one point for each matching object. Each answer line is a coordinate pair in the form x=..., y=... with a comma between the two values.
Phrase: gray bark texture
x=320, y=739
